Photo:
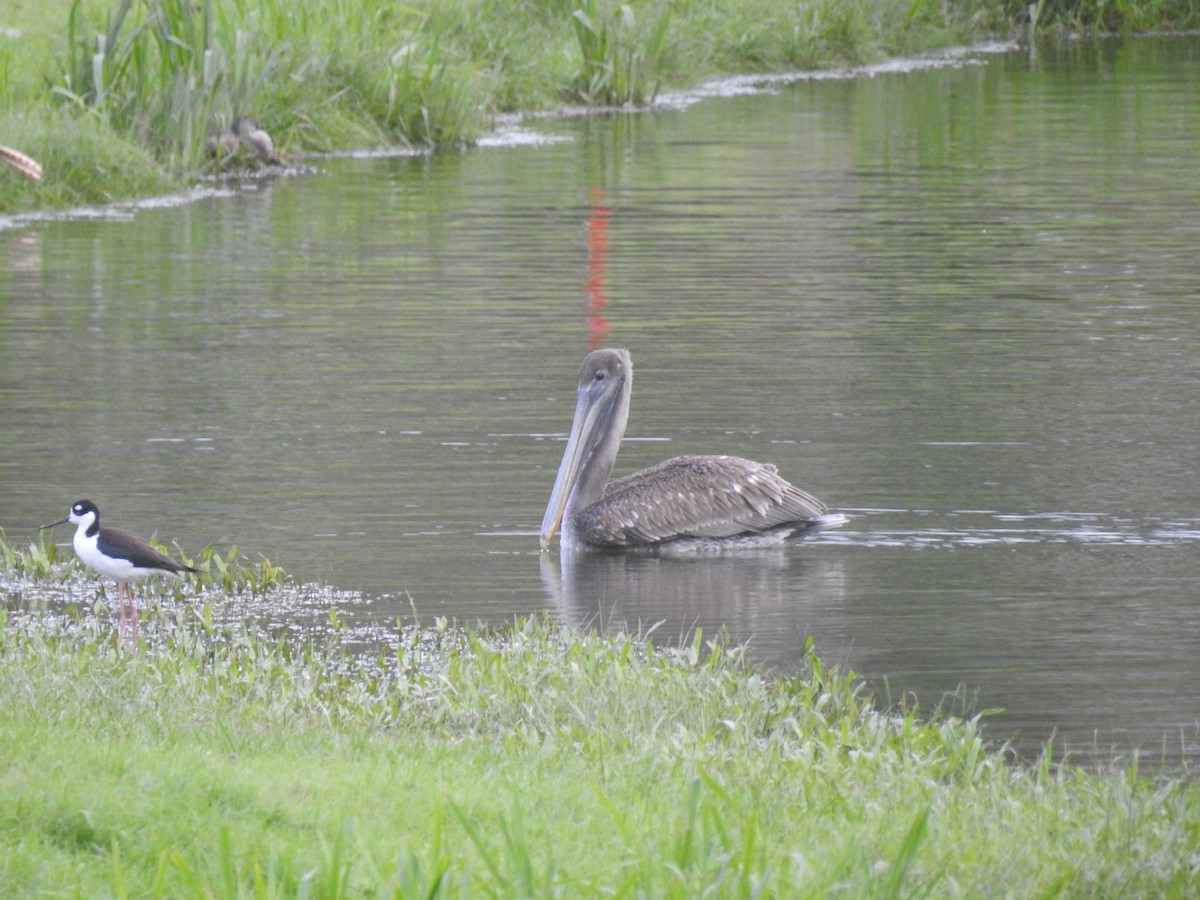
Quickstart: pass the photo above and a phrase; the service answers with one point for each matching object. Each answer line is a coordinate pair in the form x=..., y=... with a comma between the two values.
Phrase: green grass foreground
x=116, y=97
x=532, y=762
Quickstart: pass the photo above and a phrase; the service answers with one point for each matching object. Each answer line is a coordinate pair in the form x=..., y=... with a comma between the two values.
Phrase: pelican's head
x=601, y=410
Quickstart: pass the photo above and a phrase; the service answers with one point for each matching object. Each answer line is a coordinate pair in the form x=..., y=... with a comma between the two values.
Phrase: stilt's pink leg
x=127, y=611
x=132, y=612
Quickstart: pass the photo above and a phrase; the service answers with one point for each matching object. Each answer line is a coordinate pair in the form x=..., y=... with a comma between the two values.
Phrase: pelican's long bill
x=594, y=407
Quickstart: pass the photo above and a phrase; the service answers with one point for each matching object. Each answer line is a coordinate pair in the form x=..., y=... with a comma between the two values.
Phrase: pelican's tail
x=820, y=523
x=829, y=520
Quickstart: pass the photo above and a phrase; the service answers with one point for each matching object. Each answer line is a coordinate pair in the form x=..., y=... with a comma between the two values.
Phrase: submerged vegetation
x=533, y=761
x=116, y=97
x=231, y=573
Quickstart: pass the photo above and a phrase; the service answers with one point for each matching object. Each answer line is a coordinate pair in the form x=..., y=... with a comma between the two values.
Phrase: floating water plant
x=231, y=572
x=40, y=560
x=235, y=573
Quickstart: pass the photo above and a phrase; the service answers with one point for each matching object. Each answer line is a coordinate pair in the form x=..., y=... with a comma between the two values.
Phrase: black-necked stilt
x=117, y=554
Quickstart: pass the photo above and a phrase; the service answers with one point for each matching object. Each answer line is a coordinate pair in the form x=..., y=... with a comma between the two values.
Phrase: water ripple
x=981, y=528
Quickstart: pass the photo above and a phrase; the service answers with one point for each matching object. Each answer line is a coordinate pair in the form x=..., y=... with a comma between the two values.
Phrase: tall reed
x=622, y=57
x=167, y=72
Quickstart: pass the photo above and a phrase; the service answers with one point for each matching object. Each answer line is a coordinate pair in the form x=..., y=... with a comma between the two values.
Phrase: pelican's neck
x=601, y=457
x=601, y=410
x=595, y=474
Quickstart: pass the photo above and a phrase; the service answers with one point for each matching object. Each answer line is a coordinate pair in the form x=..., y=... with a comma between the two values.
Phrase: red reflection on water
x=597, y=244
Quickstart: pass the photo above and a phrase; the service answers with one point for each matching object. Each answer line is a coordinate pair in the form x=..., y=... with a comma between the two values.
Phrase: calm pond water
x=958, y=302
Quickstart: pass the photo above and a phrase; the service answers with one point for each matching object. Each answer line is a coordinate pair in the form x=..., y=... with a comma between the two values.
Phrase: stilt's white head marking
x=84, y=513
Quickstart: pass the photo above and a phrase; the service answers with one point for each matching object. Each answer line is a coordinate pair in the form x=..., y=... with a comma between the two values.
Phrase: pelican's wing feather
x=695, y=496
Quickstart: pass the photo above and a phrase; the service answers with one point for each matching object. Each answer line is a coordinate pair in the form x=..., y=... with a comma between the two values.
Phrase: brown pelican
x=26, y=165
x=691, y=503
x=253, y=136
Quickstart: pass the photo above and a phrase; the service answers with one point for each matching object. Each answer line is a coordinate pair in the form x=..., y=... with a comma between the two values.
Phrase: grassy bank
x=535, y=762
x=116, y=97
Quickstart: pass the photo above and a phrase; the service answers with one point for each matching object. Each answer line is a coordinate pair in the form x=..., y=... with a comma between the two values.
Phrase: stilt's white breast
x=87, y=549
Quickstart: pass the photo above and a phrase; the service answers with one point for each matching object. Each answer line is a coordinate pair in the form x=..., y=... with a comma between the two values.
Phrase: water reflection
x=597, y=244
x=769, y=598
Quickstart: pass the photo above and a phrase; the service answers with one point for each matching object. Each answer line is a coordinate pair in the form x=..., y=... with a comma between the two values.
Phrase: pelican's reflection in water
x=771, y=599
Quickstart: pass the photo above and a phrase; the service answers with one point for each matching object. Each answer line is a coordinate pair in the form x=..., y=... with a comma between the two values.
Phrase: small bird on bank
x=224, y=144
x=253, y=136
x=117, y=554
x=26, y=165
